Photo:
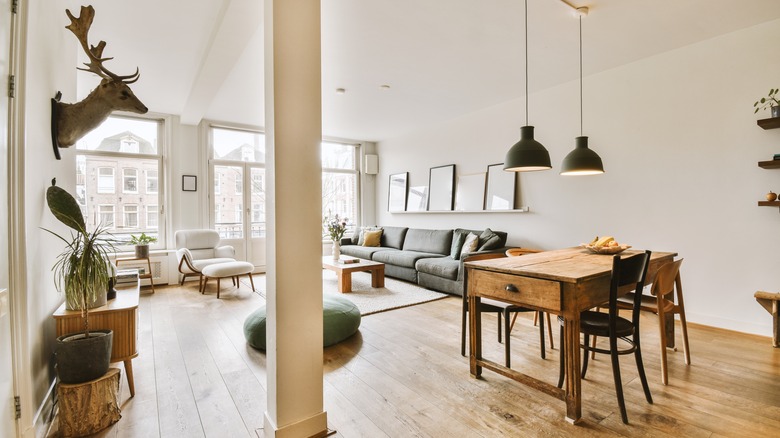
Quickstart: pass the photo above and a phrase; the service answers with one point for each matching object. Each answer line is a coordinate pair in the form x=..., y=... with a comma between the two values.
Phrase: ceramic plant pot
x=81, y=359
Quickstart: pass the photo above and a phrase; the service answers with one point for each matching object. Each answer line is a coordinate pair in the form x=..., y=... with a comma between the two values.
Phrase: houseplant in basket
x=142, y=244
x=81, y=272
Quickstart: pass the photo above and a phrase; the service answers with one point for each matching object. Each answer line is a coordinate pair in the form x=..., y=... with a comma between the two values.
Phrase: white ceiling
x=442, y=58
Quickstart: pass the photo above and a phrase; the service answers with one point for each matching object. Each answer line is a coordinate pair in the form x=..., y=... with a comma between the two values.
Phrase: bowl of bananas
x=605, y=245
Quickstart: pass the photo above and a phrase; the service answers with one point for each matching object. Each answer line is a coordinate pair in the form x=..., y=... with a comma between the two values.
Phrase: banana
x=604, y=241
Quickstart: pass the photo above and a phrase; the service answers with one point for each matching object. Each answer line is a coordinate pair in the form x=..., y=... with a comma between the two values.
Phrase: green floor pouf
x=340, y=318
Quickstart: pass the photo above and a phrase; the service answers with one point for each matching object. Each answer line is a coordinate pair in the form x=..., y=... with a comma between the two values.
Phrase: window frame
x=356, y=170
x=163, y=122
x=113, y=180
x=125, y=178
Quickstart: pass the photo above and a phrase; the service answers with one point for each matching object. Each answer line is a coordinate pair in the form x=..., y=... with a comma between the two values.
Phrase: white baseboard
x=752, y=328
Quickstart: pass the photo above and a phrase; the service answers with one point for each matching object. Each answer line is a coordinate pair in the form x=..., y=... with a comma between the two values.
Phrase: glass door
x=237, y=195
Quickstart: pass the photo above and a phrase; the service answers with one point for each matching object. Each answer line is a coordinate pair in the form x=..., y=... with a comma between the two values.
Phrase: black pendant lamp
x=527, y=154
x=582, y=160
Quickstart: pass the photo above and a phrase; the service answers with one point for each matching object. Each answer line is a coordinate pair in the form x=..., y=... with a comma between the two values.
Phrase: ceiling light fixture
x=340, y=90
x=384, y=87
x=527, y=154
x=582, y=160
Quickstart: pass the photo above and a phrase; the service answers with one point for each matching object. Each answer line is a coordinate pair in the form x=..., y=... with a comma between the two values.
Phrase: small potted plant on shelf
x=142, y=244
x=769, y=101
x=82, y=272
x=334, y=228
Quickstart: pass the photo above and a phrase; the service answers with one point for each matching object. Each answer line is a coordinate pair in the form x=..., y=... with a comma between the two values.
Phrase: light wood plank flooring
x=402, y=376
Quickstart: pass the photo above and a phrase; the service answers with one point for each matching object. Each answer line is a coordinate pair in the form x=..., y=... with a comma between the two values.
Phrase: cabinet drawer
x=543, y=294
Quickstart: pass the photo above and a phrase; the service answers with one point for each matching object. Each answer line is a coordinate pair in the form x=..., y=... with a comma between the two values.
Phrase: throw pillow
x=372, y=238
x=489, y=240
x=458, y=238
x=470, y=245
x=362, y=233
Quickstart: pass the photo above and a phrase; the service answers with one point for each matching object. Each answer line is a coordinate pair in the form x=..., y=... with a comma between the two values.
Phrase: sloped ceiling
x=441, y=58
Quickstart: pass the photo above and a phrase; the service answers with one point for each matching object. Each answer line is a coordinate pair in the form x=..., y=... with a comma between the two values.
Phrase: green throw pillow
x=489, y=240
x=458, y=237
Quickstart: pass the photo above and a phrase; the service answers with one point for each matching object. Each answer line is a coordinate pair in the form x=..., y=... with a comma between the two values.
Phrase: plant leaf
x=65, y=208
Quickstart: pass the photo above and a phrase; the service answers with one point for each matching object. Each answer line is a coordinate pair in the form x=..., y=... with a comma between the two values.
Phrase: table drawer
x=544, y=294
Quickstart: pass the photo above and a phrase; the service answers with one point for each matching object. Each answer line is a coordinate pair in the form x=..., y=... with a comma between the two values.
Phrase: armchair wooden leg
x=251, y=281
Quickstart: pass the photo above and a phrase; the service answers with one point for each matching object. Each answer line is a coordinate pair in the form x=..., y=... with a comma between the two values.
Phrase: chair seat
x=489, y=305
x=648, y=303
x=597, y=323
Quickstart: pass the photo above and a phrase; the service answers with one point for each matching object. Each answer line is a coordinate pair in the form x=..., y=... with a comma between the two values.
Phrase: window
x=340, y=182
x=130, y=180
x=105, y=181
x=152, y=215
x=130, y=216
x=127, y=151
x=151, y=181
x=105, y=216
x=237, y=155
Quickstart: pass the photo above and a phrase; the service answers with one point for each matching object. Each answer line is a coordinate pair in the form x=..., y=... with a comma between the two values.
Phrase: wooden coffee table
x=344, y=271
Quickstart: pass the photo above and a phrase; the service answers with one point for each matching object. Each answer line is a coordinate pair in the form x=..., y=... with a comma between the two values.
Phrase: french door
x=238, y=208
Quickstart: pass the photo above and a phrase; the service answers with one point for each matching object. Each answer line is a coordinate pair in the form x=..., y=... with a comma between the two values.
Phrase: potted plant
x=142, y=244
x=334, y=229
x=82, y=273
x=769, y=101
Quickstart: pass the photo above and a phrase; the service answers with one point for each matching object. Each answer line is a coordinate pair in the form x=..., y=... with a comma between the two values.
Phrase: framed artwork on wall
x=441, y=188
x=470, y=192
x=500, y=190
x=189, y=183
x=396, y=193
x=417, y=199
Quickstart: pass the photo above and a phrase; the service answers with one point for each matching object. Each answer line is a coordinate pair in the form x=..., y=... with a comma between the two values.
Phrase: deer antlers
x=80, y=27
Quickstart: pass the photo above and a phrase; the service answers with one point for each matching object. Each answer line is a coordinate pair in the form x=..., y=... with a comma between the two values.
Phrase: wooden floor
x=402, y=376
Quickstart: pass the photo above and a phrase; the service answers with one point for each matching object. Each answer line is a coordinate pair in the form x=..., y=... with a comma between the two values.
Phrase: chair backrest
x=664, y=279
x=201, y=243
x=626, y=271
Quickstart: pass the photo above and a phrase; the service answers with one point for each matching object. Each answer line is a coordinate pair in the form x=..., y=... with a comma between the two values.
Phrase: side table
x=120, y=315
x=148, y=274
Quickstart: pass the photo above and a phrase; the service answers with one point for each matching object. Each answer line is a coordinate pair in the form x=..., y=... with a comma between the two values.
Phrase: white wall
x=50, y=57
x=680, y=144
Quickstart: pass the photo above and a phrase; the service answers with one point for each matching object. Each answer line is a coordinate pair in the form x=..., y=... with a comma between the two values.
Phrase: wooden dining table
x=563, y=282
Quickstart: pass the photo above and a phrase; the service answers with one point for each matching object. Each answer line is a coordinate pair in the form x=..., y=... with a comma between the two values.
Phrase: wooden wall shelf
x=769, y=203
x=773, y=164
x=771, y=123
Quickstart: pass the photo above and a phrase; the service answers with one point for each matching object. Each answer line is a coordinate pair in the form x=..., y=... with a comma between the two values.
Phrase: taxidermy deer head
x=70, y=122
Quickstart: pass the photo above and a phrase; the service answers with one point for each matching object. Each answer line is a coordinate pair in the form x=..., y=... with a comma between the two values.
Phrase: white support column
x=293, y=134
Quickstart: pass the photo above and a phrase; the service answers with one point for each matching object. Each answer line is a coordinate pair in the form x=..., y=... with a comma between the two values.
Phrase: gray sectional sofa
x=422, y=256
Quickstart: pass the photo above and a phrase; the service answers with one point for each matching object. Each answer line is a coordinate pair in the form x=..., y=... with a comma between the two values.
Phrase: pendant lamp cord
x=526, y=62
x=580, y=75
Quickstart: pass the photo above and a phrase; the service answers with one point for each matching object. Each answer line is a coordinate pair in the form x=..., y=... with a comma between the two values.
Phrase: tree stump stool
x=86, y=408
x=771, y=302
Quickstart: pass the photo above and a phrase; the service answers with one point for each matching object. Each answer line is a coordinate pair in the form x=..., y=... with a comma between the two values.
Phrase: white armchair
x=196, y=249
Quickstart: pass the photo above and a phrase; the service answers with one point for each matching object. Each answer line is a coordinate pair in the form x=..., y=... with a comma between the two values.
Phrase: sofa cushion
x=458, y=237
x=404, y=258
x=445, y=267
x=362, y=252
x=372, y=237
x=360, y=234
x=470, y=245
x=489, y=240
x=393, y=237
x=431, y=241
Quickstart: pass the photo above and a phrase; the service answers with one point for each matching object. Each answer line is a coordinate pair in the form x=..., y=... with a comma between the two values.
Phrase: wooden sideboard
x=119, y=315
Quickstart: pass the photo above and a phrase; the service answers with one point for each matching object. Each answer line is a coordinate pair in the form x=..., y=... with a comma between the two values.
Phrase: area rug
x=394, y=295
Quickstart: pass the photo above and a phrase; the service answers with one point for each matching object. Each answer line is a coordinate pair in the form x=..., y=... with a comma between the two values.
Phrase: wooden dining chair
x=513, y=252
x=661, y=301
x=628, y=271
x=502, y=309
